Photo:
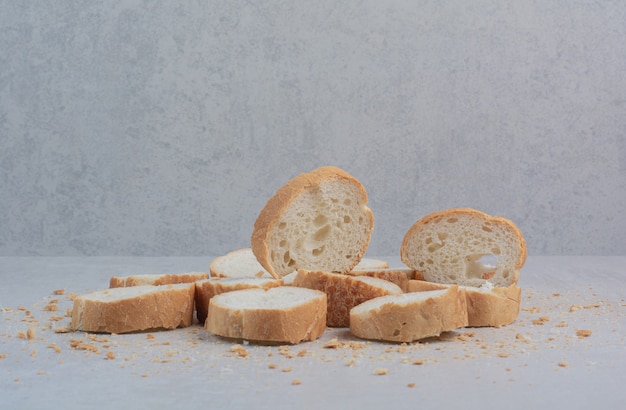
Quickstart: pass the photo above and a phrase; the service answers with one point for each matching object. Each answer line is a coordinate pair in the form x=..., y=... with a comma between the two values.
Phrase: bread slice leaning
x=317, y=221
x=486, y=305
x=278, y=315
x=343, y=291
x=134, y=309
x=466, y=247
x=410, y=316
x=206, y=289
x=156, y=279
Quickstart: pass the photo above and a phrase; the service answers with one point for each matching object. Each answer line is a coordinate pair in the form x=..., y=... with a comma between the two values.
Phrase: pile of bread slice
x=306, y=271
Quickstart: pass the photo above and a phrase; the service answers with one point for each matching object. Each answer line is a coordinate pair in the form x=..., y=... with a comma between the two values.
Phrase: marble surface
x=540, y=361
x=153, y=128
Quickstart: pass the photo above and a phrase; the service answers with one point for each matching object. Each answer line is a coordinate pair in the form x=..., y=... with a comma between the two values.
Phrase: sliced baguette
x=449, y=247
x=156, y=280
x=371, y=264
x=410, y=316
x=206, y=289
x=283, y=314
x=240, y=263
x=343, y=292
x=399, y=276
x=486, y=305
x=134, y=309
x=318, y=220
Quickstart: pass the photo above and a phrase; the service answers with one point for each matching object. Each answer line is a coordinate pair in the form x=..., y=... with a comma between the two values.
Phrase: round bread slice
x=318, y=221
x=466, y=247
x=410, y=316
x=283, y=314
x=206, y=289
x=134, y=309
x=486, y=305
x=343, y=292
x=240, y=263
x=156, y=279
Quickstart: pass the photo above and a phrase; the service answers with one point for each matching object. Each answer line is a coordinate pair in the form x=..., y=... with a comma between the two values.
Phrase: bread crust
x=261, y=324
x=281, y=200
x=405, y=248
x=147, y=308
x=156, y=280
x=206, y=289
x=495, y=308
x=398, y=276
x=397, y=318
x=343, y=292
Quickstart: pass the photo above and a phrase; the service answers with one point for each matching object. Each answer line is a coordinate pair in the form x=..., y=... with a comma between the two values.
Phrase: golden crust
x=278, y=203
x=153, y=307
x=156, y=280
x=343, y=292
x=400, y=277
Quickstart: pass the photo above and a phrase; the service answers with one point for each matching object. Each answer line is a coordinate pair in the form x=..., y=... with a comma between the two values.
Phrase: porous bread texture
x=450, y=247
x=239, y=263
x=134, y=309
x=206, y=289
x=156, y=279
x=343, y=292
x=486, y=306
x=410, y=316
x=317, y=220
x=278, y=315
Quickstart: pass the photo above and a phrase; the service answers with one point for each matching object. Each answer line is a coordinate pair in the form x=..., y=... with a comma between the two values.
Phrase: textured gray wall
x=161, y=128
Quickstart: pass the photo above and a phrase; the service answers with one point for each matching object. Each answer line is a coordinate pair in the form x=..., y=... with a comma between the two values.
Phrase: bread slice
x=410, y=316
x=399, y=276
x=206, y=289
x=283, y=314
x=454, y=247
x=240, y=263
x=317, y=221
x=134, y=309
x=343, y=292
x=371, y=264
x=156, y=280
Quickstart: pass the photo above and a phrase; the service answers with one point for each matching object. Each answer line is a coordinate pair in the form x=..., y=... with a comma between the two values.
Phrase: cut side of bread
x=206, y=289
x=371, y=264
x=134, y=309
x=240, y=263
x=317, y=221
x=343, y=292
x=283, y=314
x=400, y=276
x=466, y=247
x=486, y=305
x=156, y=280
x=410, y=316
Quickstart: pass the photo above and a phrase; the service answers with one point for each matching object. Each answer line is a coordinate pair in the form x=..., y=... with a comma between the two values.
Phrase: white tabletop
x=566, y=350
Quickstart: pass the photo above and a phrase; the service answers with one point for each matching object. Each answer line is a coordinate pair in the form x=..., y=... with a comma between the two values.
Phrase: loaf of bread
x=133, y=309
x=317, y=221
x=283, y=314
x=206, y=289
x=466, y=247
x=409, y=316
x=156, y=280
x=486, y=305
x=343, y=292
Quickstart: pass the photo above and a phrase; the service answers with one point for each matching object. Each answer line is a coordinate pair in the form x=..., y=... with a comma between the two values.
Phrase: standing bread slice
x=410, y=316
x=452, y=246
x=318, y=220
x=156, y=279
x=486, y=305
x=344, y=291
x=206, y=289
x=283, y=314
x=134, y=309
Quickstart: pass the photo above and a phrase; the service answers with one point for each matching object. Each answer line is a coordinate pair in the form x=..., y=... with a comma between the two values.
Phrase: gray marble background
x=161, y=128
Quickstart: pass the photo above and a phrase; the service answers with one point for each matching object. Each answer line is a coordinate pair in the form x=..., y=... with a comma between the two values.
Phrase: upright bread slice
x=134, y=309
x=486, y=305
x=318, y=221
x=206, y=289
x=410, y=316
x=343, y=291
x=240, y=263
x=283, y=314
x=451, y=247
x=156, y=280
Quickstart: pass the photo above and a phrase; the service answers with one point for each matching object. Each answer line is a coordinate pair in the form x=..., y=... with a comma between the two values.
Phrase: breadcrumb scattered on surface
x=583, y=333
x=381, y=371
